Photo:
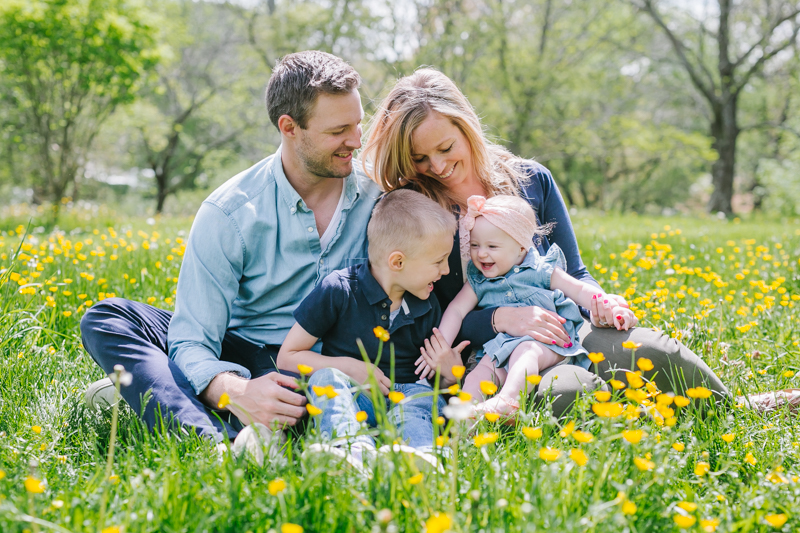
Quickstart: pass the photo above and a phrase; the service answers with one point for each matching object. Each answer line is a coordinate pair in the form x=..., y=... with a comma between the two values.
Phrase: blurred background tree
x=644, y=105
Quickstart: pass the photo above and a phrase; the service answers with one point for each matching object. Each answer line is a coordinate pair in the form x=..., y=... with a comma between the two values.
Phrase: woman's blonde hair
x=388, y=150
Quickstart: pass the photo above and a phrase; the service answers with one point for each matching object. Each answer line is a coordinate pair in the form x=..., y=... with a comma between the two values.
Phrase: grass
x=729, y=290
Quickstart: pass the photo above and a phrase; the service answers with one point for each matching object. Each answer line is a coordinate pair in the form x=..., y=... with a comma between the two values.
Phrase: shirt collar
x=375, y=294
x=292, y=199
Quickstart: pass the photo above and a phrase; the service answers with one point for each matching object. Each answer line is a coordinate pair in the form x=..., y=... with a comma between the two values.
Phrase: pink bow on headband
x=516, y=225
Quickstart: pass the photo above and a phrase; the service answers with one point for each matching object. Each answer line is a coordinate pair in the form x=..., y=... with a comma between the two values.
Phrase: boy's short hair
x=299, y=78
x=403, y=220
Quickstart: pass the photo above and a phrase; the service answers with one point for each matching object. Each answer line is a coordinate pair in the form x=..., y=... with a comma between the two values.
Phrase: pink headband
x=512, y=222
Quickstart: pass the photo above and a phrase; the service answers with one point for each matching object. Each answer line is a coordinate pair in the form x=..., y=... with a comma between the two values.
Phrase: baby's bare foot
x=499, y=405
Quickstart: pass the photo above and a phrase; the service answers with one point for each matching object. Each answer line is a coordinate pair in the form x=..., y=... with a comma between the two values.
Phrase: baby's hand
x=437, y=354
x=624, y=318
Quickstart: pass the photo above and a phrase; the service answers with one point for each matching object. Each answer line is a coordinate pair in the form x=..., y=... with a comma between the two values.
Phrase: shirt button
x=310, y=229
x=383, y=305
x=293, y=210
x=516, y=269
x=321, y=261
x=383, y=317
x=509, y=293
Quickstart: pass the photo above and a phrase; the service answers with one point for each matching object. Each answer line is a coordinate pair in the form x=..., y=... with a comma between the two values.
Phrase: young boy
x=410, y=238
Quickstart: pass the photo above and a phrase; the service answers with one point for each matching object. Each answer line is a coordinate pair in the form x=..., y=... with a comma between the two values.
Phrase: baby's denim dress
x=528, y=284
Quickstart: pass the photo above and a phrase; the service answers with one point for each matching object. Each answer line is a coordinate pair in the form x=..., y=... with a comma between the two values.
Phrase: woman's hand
x=604, y=310
x=624, y=318
x=540, y=324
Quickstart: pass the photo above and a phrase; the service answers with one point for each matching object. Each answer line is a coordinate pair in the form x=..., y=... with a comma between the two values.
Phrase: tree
x=66, y=65
x=764, y=29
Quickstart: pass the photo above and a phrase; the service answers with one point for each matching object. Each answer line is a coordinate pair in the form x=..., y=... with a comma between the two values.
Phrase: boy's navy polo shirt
x=349, y=303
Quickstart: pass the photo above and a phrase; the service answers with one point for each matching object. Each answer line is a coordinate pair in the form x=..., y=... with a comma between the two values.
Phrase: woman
x=425, y=135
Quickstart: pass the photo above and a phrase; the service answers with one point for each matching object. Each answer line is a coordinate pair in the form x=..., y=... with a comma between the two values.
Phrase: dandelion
x=549, y=454
x=492, y=417
x=684, y=521
x=596, y=357
x=416, y=479
x=381, y=333
x=628, y=507
x=534, y=380
x=728, y=437
x=224, y=401
x=582, y=436
x=361, y=416
x=602, y=396
x=644, y=364
x=579, y=456
x=607, y=409
x=678, y=446
x=532, y=433
x=483, y=439
x=313, y=410
x=288, y=527
x=488, y=388
x=630, y=345
x=458, y=371
x=33, y=485
x=643, y=464
x=709, y=525
x=396, y=396
x=633, y=436
x=701, y=468
x=698, y=392
x=776, y=520
x=437, y=523
x=304, y=369
x=276, y=486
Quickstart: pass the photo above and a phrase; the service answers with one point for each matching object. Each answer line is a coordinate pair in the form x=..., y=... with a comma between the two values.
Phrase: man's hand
x=360, y=371
x=263, y=399
x=437, y=354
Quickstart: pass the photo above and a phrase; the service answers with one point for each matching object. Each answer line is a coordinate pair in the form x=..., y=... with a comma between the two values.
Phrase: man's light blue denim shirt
x=253, y=254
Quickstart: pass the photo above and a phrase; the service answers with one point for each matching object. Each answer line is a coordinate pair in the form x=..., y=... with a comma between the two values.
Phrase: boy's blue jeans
x=413, y=418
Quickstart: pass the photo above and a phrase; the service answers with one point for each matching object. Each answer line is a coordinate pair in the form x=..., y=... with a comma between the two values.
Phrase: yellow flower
x=415, y=480
x=488, y=388
x=709, y=525
x=631, y=345
x=440, y=420
x=441, y=440
x=582, y=436
x=643, y=464
x=464, y=396
x=67, y=313
x=664, y=399
x=578, y=456
x=288, y=527
x=396, y=396
x=728, y=437
x=633, y=436
x=313, y=410
x=628, y=507
x=36, y=429
x=381, y=333
x=2, y=474
x=361, y=416
x=485, y=438
x=788, y=374
x=607, y=409
x=634, y=380
x=458, y=371
x=36, y=486
x=684, y=521
x=678, y=446
x=534, y=380
x=110, y=529
x=327, y=391
x=602, y=395
x=596, y=357
x=776, y=520
x=644, y=364
x=114, y=479
x=276, y=486
x=617, y=384
x=568, y=429
x=681, y=401
x=453, y=389
x=304, y=369
x=491, y=417
x=224, y=401
x=698, y=392
x=750, y=459
x=689, y=507
x=532, y=433
x=549, y=454
x=701, y=468
x=437, y=523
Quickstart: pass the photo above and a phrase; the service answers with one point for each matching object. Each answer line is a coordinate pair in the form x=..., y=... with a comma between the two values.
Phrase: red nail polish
x=554, y=342
x=605, y=301
x=594, y=297
x=619, y=317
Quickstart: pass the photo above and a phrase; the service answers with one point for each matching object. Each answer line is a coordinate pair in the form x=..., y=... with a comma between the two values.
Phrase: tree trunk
x=725, y=132
x=161, y=196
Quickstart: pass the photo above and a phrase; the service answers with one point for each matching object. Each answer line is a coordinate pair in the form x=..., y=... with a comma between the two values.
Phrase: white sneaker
x=423, y=460
x=354, y=460
x=255, y=440
x=100, y=395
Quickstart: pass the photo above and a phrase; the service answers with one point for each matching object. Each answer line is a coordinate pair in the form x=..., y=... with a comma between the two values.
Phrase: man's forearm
x=225, y=382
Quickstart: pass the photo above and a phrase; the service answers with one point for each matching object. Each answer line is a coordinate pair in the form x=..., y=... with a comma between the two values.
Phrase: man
x=257, y=247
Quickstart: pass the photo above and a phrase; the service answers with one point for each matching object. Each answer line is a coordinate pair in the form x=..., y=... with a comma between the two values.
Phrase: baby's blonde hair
x=404, y=220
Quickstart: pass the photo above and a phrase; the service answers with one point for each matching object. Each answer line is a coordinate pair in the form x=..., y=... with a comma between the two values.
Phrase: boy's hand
x=437, y=354
x=360, y=371
x=624, y=318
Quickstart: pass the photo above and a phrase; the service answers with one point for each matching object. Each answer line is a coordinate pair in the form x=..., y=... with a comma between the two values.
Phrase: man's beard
x=318, y=164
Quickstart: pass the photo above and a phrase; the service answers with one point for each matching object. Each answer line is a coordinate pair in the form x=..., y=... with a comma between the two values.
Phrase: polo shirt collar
x=375, y=294
x=289, y=195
